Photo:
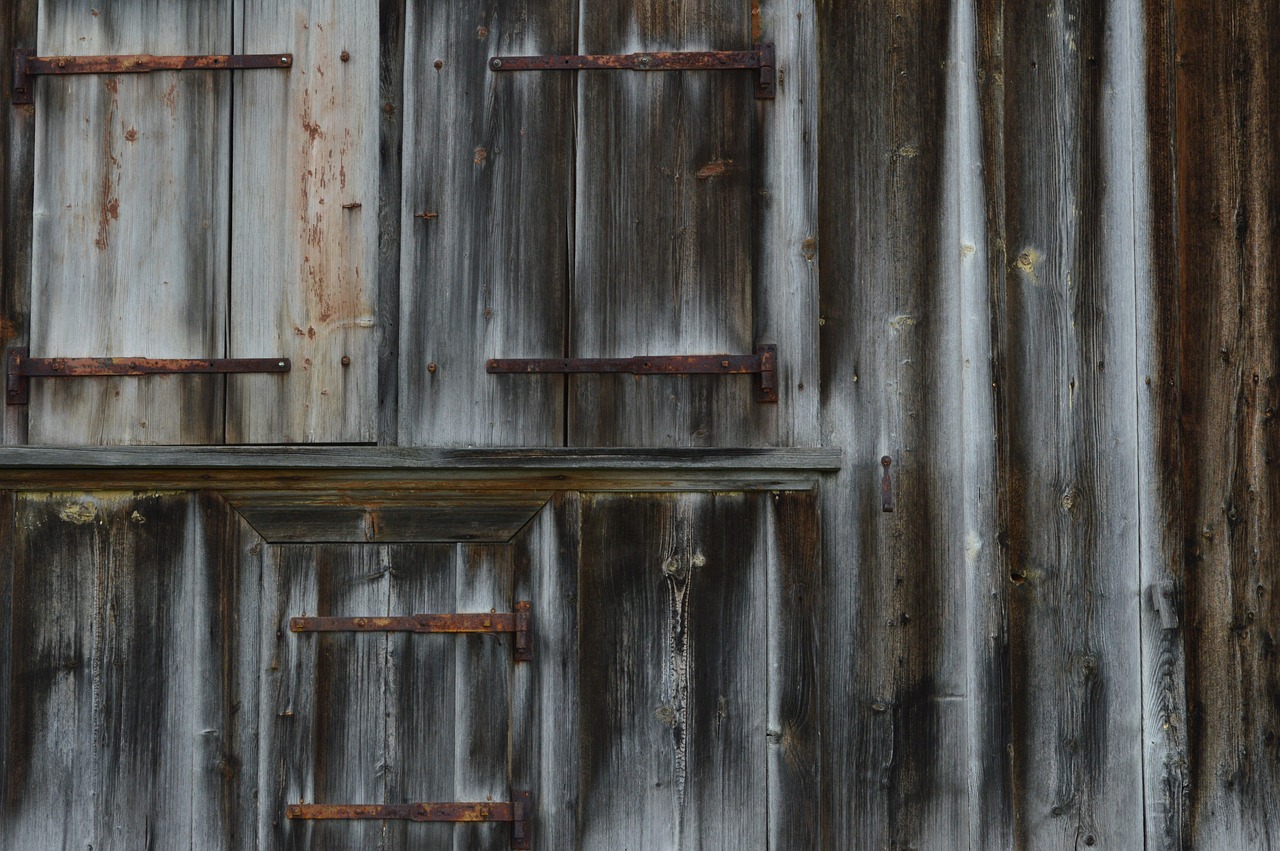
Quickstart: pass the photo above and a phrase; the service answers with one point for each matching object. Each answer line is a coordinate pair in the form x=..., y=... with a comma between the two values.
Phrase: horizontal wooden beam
x=359, y=470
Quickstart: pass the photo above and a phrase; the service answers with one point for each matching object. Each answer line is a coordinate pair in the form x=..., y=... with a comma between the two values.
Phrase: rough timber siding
x=1035, y=243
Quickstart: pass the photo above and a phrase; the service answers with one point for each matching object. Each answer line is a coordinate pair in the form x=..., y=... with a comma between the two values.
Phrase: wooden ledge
x=385, y=469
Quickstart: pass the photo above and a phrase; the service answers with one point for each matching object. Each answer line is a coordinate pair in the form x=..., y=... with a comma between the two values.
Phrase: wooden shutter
x=130, y=231
x=170, y=223
x=682, y=225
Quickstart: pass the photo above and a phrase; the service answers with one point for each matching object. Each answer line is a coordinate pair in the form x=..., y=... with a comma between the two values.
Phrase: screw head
x=439, y=63
x=346, y=361
x=497, y=63
x=431, y=367
x=345, y=56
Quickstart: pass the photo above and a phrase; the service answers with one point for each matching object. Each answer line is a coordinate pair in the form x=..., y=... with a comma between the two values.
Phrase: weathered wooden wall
x=1025, y=249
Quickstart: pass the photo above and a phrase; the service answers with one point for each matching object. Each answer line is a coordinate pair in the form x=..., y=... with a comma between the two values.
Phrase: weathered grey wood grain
x=323, y=715
x=390, y=458
x=231, y=538
x=1228, y=146
x=387, y=517
x=671, y=692
x=130, y=224
x=122, y=734
x=786, y=290
x=391, y=34
x=482, y=707
x=978, y=166
x=485, y=223
x=424, y=685
x=664, y=235
x=544, y=691
x=304, y=230
x=17, y=185
x=1160, y=443
x=1072, y=430
x=913, y=730
x=790, y=536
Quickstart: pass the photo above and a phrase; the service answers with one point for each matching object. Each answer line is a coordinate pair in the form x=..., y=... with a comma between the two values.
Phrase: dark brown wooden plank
x=1160, y=491
x=664, y=242
x=1228, y=150
x=485, y=224
x=322, y=721
x=794, y=544
x=392, y=16
x=672, y=691
x=17, y=185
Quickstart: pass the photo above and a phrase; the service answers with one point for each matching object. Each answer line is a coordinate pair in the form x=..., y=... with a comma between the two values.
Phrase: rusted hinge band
x=760, y=58
x=27, y=65
x=517, y=622
x=518, y=811
x=20, y=367
x=763, y=363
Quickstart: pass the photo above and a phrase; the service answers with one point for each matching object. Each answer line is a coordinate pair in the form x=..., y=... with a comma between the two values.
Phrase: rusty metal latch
x=517, y=622
x=20, y=368
x=27, y=65
x=763, y=363
x=518, y=811
x=760, y=58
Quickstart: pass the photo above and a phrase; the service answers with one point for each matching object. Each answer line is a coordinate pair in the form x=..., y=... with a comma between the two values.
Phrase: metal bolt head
x=346, y=361
x=645, y=60
x=431, y=367
x=439, y=63
x=344, y=56
x=497, y=63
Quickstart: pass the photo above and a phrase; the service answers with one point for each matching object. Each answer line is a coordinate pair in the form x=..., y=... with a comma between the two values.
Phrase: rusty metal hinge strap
x=517, y=623
x=763, y=363
x=27, y=65
x=760, y=58
x=517, y=811
x=20, y=367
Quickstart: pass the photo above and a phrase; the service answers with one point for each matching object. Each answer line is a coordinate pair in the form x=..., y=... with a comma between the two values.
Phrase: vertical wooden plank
x=544, y=691
x=1071, y=323
x=665, y=246
x=391, y=34
x=241, y=605
x=854, y=150
x=977, y=166
x=672, y=694
x=1161, y=518
x=8, y=718
x=1228, y=147
x=305, y=235
x=130, y=224
x=786, y=294
x=482, y=694
x=123, y=736
x=17, y=185
x=422, y=699
x=52, y=757
x=322, y=719
x=915, y=729
x=791, y=537
x=486, y=223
